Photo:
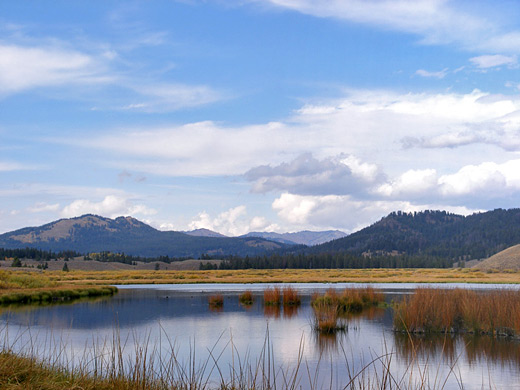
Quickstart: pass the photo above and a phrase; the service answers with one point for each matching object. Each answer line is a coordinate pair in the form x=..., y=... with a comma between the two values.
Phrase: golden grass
x=291, y=297
x=272, y=296
x=283, y=276
x=460, y=310
x=34, y=287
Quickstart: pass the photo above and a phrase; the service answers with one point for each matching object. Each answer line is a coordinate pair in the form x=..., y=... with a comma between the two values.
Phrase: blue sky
x=251, y=115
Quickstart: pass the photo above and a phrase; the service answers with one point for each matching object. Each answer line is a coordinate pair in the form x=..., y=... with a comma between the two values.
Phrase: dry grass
x=460, y=310
x=272, y=296
x=284, y=276
x=291, y=297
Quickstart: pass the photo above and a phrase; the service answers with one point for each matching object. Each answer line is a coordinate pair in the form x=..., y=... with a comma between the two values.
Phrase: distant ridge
x=304, y=237
x=204, y=233
x=92, y=233
x=507, y=259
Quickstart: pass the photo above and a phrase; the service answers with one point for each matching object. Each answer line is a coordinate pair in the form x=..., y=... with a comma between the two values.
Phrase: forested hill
x=432, y=233
x=92, y=233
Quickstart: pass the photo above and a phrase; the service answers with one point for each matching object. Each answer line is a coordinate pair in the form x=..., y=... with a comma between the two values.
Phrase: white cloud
x=111, y=205
x=411, y=182
x=487, y=180
x=343, y=212
x=23, y=68
x=42, y=207
x=491, y=61
x=233, y=222
x=169, y=97
x=368, y=124
x=6, y=166
x=435, y=21
x=438, y=75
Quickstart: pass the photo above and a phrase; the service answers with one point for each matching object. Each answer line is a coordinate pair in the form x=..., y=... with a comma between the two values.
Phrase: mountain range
x=424, y=235
x=92, y=233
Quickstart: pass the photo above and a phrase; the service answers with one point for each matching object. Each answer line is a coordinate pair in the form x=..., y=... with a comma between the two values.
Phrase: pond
x=164, y=321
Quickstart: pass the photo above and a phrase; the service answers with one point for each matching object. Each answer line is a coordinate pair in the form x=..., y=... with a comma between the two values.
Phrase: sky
x=257, y=115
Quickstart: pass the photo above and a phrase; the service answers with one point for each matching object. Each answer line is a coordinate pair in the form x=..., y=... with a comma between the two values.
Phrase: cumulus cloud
x=491, y=61
x=111, y=206
x=488, y=180
x=308, y=175
x=343, y=212
x=233, y=222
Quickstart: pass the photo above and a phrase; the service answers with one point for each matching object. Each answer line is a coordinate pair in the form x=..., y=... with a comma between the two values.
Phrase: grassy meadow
x=452, y=275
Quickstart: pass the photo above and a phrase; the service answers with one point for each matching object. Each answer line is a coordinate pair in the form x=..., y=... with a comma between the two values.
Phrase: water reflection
x=473, y=349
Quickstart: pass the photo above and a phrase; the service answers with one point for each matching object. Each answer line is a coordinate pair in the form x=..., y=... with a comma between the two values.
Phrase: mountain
x=204, y=233
x=92, y=233
x=305, y=237
x=433, y=233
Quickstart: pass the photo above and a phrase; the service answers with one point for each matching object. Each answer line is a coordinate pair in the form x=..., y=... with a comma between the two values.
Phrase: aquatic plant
x=459, y=310
x=272, y=296
x=246, y=298
x=216, y=301
x=291, y=297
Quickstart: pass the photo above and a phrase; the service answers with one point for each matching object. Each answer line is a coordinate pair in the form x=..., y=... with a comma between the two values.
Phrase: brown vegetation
x=246, y=298
x=460, y=310
x=291, y=297
x=272, y=296
x=216, y=301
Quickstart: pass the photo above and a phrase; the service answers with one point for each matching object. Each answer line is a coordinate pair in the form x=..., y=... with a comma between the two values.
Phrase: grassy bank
x=285, y=276
x=35, y=287
x=460, y=311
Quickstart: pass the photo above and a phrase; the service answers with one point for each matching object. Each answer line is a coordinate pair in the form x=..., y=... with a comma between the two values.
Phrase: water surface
x=178, y=318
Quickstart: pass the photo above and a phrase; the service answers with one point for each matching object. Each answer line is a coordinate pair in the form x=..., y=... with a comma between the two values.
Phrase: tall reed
x=291, y=297
x=459, y=310
x=272, y=296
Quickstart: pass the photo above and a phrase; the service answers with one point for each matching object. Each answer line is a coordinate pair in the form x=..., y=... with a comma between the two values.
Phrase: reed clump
x=272, y=296
x=350, y=300
x=291, y=297
x=216, y=301
x=430, y=310
x=246, y=298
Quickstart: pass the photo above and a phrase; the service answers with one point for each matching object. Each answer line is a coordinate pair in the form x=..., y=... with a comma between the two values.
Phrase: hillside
x=305, y=237
x=92, y=233
x=433, y=233
x=507, y=259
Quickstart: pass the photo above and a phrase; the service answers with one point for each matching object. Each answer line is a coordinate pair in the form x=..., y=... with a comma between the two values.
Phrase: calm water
x=177, y=317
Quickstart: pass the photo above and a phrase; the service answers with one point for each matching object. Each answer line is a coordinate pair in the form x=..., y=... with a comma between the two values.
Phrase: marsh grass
x=430, y=310
x=332, y=308
x=216, y=301
x=246, y=298
x=291, y=297
x=272, y=296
